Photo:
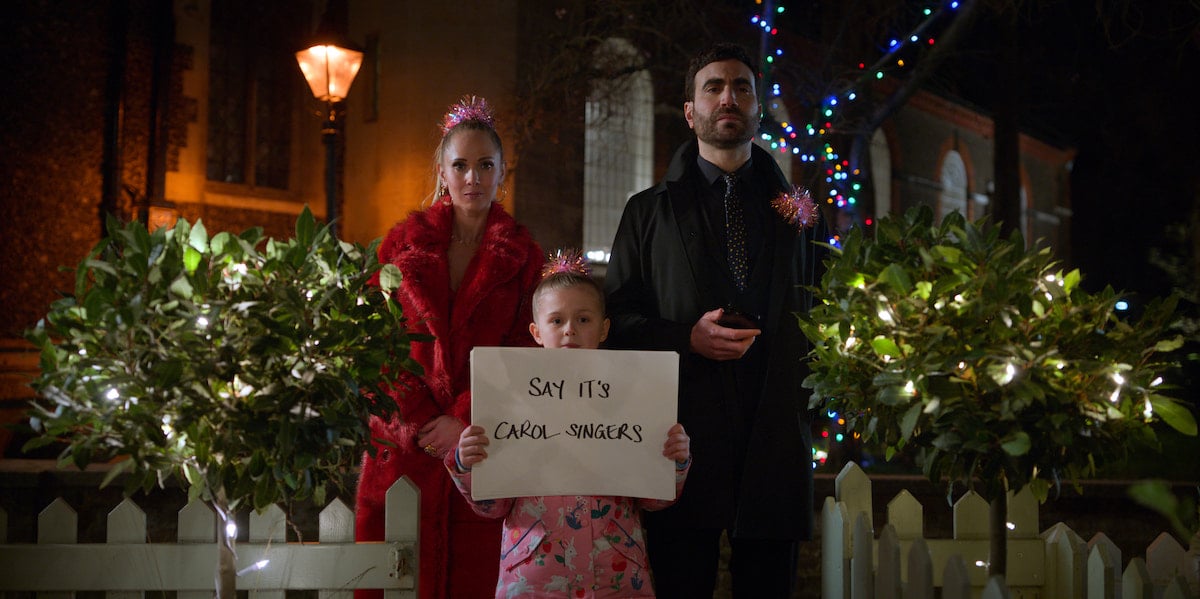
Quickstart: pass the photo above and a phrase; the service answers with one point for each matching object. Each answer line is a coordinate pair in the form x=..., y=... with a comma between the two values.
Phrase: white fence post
x=58, y=524
x=887, y=570
x=401, y=529
x=197, y=525
x=1164, y=556
x=835, y=550
x=907, y=515
x=956, y=583
x=336, y=525
x=920, y=571
x=126, y=524
x=1026, y=575
x=1135, y=581
x=1103, y=568
x=1177, y=589
x=125, y=566
x=1052, y=564
x=267, y=529
x=852, y=487
x=1066, y=566
x=995, y=589
x=971, y=518
x=862, y=565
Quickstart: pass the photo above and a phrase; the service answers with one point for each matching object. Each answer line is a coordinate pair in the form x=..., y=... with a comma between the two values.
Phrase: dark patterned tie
x=735, y=232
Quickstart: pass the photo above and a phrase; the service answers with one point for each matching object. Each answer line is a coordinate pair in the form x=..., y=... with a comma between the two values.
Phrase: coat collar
x=420, y=252
x=678, y=189
x=762, y=165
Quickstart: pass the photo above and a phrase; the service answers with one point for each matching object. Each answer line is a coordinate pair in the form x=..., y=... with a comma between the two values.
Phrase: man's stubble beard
x=709, y=131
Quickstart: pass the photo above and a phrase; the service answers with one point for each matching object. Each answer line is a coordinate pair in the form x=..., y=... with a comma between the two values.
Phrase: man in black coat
x=675, y=283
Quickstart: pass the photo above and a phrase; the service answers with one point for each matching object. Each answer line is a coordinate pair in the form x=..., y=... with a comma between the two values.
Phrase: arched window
x=777, y=111
x=953, y=197
x=881, y=173
x=619, y=144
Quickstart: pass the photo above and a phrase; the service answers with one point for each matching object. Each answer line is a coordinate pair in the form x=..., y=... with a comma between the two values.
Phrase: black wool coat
x=665, y=272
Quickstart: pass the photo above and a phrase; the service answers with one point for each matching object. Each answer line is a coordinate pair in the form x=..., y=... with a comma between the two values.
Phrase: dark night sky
x=1117, y=80
x=1121, y=88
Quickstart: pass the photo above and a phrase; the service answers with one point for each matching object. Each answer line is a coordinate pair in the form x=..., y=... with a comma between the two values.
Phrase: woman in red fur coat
x=468, y=272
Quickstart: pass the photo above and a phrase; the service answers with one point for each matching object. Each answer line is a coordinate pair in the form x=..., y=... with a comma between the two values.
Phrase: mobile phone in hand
x=734, y=319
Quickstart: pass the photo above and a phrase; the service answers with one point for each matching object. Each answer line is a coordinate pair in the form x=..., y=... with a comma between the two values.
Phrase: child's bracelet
x=684, y=464
x=458, y=463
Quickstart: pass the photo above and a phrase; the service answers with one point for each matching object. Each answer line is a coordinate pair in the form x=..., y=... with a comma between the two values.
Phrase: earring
x=444, y=193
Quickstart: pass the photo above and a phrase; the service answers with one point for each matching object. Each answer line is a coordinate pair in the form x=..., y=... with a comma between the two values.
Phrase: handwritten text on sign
x=574, y=422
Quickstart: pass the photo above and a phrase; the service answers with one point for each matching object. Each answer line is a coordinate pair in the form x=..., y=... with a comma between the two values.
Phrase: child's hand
x=472, y=446
x=678, y=445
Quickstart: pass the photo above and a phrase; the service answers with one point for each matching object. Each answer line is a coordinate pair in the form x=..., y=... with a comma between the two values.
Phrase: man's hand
x=716, y=342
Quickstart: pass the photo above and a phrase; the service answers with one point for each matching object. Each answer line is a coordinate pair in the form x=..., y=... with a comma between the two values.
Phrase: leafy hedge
x=983, y=358
x=244, y=366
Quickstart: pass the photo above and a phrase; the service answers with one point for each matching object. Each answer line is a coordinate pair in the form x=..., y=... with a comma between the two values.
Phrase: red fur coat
x=490, y=308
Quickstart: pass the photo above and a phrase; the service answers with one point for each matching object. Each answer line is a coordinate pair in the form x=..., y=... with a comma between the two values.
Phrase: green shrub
x=983, y=360
x=246, y=368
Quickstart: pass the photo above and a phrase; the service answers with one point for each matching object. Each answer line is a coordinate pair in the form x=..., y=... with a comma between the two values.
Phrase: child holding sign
x=568, y=546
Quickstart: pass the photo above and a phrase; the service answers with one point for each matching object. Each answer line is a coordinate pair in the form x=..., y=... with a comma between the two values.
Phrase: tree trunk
x=1006, y=160
x=226, y=576
x=998, y=529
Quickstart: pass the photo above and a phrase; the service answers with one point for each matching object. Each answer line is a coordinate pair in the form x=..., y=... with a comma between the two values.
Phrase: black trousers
x=684, y=563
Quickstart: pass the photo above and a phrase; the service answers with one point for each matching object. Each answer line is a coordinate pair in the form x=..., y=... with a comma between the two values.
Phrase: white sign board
x=574, y=422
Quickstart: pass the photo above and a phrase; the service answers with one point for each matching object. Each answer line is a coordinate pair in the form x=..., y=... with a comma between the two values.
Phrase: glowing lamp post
x=329, y=69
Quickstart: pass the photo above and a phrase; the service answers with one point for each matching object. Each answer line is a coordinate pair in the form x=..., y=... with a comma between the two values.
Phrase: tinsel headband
x=469, y=108
x=566, y=261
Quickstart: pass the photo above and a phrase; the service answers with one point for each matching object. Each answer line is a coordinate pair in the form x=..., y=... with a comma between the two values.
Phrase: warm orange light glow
x=329, y=70
x=161, y=216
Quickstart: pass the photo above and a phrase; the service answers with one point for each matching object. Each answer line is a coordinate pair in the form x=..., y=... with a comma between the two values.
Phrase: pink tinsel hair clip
x=469, y=108
x=566, y=261
x=797, y=208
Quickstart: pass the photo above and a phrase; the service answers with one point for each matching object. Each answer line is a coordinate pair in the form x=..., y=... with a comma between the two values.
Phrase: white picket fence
x=126, y=565
x=1053, y=564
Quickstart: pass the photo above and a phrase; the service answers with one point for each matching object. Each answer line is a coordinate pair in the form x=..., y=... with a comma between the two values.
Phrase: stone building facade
x=195, y=109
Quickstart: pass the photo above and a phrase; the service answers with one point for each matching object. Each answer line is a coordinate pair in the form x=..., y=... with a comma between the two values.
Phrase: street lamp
x=329, y=66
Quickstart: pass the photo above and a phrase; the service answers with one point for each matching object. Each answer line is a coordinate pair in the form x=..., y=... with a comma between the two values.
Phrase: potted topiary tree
x=244, y=367
x=982, y=360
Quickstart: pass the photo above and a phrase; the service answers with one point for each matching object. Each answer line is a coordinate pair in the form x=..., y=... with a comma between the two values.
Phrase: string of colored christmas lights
x=817, y=142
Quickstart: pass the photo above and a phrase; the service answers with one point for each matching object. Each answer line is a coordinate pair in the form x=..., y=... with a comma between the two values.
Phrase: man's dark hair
x=711, y=54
